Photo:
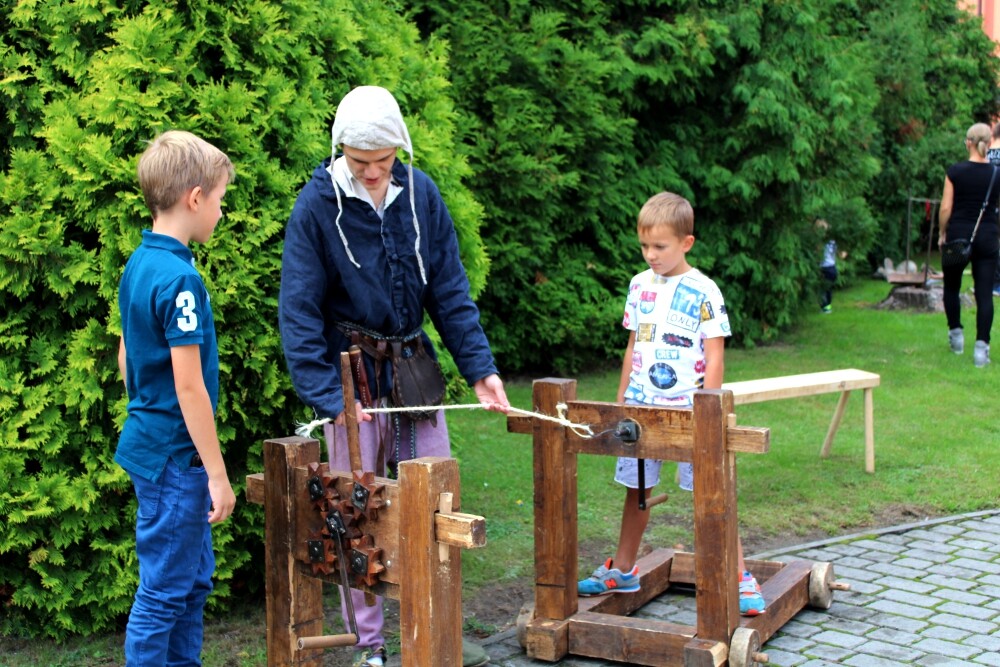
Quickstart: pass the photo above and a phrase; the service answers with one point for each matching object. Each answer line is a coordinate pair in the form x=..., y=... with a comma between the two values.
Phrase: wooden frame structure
x=416, y=560
x=560, y=623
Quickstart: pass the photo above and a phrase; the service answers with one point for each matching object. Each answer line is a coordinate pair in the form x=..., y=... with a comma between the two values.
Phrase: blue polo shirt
x=163, y=304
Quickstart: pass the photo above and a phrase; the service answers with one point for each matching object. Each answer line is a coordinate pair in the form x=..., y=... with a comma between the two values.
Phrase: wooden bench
x=809, y=384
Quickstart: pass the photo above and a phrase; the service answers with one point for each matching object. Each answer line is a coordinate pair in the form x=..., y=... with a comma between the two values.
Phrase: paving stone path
x=925, y=593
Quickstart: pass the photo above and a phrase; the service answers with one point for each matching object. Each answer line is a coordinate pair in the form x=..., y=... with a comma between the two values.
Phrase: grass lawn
x=936, y=433
x=936, y=436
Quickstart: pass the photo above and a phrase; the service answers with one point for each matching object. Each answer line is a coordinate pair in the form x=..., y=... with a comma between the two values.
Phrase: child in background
x=169, y=360
x=678, y=324
x=828, y=267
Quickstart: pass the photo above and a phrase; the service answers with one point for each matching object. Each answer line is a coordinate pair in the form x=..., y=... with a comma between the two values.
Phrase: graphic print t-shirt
x=671, y=317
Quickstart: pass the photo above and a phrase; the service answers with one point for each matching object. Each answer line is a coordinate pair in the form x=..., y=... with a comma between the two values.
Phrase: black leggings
x=984, y=265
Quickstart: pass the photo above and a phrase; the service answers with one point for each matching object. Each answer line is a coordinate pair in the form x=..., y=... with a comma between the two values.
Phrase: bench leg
x=869, y=431
x=835, y=424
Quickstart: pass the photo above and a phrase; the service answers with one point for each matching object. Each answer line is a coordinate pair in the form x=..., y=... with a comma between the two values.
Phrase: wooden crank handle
x=327, y=641
x=761, y=658
x=350, y=416
x=839, y=586
x=655, y=500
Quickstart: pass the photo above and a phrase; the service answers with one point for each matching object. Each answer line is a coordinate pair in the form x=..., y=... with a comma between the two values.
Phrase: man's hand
x=359, y=411
x=490, y=393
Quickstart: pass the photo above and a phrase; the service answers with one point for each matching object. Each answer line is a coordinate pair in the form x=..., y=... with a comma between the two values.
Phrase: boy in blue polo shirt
x=170, y=362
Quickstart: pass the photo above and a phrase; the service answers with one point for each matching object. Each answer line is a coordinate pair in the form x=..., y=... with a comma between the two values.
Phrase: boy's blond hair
x=174, y=163
x=670, y=210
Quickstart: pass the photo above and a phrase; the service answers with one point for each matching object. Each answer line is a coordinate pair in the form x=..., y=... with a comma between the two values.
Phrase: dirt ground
x=496, y=607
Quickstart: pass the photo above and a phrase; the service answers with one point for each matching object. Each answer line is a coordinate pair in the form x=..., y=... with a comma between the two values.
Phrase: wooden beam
x=255, y=488
x=430, y=606
x=466, y=531
x=635, y=641
x=294, y=600
x=786, y=594
x=555, y=501
x=654, y=578
x=805, y=384
x=715, y=520
x=665, y=433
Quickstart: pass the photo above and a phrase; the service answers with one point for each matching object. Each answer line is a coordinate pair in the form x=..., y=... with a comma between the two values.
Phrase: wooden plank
x=805, y=384
x=786, y=594
x=635, y=641
x=665, y=433
x=654, y=579
x=547, y=639
x=555, y=505
x=682, y=570
x=522, y=424
x=294, y=604
x=715, y=520
x=704, y=653
x=255, y=488
x=430, y=606
x=466, y=531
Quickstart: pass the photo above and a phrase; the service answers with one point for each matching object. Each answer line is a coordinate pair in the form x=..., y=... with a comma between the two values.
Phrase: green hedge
x=765, y=114
x=547, y=123
x=84, y=86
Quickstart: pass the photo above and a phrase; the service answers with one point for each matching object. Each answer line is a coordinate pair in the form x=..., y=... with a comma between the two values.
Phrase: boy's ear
x=687, y=242
x=192, y=198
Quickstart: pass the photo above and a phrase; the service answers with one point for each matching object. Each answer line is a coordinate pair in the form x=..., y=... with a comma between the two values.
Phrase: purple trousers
x=430, y=441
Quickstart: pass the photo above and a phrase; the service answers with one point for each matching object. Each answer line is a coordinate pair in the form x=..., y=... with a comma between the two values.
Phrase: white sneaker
x=956, y=338
x=981, y=354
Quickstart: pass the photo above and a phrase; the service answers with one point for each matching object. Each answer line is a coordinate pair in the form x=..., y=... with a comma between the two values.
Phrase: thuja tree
x=758, y=112
x=791, y=93
x=550, y=149
x=762, y=113
x=84, y=86
x=936, y=76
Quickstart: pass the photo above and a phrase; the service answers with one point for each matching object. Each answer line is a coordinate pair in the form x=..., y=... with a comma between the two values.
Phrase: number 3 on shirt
x=185, y=301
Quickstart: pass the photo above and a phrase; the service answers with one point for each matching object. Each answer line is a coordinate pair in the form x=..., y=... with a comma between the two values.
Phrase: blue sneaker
x=606, y=579
x=751, y=601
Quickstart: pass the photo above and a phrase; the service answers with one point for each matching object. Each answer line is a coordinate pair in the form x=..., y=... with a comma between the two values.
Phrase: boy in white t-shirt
x=678, y=323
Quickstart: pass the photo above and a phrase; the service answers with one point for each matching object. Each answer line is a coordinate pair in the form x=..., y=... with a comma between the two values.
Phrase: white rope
x=582, y=430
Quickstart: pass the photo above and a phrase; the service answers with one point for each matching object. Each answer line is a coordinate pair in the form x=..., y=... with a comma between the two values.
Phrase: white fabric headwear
x=368, y=118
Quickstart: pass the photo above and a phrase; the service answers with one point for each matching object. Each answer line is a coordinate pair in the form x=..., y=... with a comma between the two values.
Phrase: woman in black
x=965, y=189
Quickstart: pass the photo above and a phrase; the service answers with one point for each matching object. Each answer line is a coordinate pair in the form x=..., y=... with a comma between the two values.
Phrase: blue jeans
x=173, y=542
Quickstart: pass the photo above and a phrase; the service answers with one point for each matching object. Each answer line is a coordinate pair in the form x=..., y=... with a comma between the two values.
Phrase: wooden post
x=430, y=601
x=869, y=430
x=294, y=600
x=555, y=505
x=715, y=520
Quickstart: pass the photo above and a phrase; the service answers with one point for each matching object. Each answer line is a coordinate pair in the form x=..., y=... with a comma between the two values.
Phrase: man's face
x=372, y=168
